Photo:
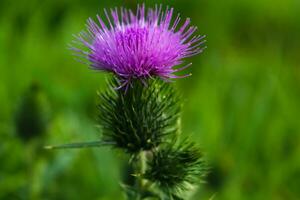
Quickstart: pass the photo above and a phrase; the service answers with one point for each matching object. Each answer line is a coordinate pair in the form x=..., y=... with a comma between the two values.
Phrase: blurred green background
x=242, y=104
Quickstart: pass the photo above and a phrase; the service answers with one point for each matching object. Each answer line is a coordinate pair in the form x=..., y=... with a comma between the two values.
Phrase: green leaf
x=79, y=145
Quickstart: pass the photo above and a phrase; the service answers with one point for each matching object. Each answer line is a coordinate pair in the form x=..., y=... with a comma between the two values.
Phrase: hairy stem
x=141, y=168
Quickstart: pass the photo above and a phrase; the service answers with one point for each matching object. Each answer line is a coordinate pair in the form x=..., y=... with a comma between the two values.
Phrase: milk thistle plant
x=139, y=112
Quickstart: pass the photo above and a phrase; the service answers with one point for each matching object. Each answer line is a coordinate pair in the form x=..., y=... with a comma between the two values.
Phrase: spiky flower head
x=141, y=118
x=149, y=42
x=176, y=167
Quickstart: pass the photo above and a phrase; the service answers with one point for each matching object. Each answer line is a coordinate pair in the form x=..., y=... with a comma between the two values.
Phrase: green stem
x=140, y=171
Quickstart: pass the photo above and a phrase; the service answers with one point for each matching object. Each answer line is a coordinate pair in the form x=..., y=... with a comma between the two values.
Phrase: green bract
x=141, y=117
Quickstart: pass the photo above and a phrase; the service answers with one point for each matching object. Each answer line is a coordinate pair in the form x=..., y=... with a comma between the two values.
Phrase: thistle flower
x=143, y=49
x=138, y=46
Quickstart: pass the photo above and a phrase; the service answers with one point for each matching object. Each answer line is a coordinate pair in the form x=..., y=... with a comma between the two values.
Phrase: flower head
x=139, y=45
x=176, y=167
x=140, y=119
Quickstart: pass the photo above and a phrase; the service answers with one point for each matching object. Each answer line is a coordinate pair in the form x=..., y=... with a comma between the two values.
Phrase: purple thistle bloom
x=140, y=45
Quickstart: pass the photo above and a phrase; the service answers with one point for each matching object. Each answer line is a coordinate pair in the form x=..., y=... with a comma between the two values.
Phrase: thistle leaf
x=79, y=145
